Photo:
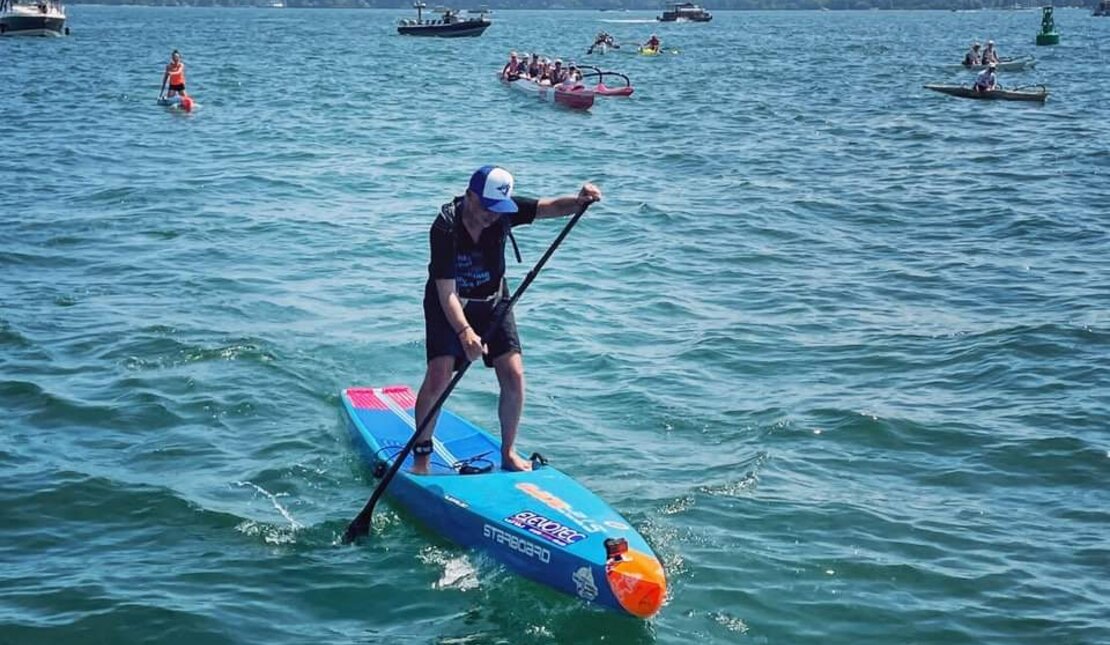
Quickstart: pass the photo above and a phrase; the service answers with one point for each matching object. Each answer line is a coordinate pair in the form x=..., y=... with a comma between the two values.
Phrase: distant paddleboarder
x=175, y=77
x=466, y=282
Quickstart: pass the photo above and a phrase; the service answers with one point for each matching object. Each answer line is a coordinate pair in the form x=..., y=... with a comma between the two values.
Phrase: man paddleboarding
x=466, y=282
x=174, y=75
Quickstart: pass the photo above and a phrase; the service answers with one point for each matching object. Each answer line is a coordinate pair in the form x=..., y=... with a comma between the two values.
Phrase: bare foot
x=512, y=462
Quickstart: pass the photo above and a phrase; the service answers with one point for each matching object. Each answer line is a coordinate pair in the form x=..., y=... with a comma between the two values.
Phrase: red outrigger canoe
x=600, y=88
x=575, y=97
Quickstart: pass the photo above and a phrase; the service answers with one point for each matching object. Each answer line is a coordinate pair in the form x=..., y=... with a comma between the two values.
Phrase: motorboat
x=1102, y=9
x=451, y=24
x=686, y=12
x=41, y=18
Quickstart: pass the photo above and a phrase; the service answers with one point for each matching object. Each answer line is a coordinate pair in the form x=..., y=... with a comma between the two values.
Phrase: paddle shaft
x=361, y=524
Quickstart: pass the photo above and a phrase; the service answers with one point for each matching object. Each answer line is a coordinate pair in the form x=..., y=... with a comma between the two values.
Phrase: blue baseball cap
x=494, y=186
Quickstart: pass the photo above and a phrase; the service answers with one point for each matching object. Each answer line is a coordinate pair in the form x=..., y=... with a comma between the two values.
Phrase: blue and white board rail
x=542, y=524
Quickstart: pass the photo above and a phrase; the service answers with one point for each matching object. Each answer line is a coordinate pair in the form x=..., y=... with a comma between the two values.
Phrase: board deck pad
x=390, y=414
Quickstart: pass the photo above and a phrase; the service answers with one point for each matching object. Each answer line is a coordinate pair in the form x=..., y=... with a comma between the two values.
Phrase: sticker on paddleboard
x=549, y=529
x=456, y=501
x=584, y=583
x=560, y=506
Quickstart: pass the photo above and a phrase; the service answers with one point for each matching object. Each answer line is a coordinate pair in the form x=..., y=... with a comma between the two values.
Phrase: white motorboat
x=42, y=18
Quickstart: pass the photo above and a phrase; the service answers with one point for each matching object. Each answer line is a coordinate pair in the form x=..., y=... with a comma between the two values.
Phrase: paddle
x=361, y=524
x=162, y=92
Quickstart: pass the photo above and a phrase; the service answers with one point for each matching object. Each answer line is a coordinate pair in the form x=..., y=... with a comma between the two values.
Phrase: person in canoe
x=175, y=76
x=972, y=59
x=986, y=80
x=545, y=73
x=534, y=66
x=652, y=43
x=466, y=282
x=558, y=72
x=574, y=75
x=990, y=54
x=511, y=70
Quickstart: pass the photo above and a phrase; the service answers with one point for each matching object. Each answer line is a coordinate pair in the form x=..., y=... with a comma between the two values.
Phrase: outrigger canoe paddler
x=466, y=281
x=972, y=58
x=985, y=80
x=511, y=70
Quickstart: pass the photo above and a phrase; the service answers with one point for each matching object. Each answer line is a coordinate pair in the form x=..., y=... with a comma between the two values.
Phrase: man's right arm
x=451, y=305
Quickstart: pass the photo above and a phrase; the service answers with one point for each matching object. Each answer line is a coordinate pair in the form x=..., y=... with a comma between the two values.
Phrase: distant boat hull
x=1006, y=65
x=24, y=20
x=466, y=29
x=962, y=91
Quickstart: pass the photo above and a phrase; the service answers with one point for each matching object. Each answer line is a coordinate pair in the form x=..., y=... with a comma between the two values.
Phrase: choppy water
x=839, y=347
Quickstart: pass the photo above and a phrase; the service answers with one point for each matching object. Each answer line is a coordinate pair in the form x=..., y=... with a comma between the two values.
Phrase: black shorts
x=440, y=338
x=177, y=88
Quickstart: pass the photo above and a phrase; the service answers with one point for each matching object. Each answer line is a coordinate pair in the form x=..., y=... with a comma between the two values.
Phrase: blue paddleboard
x=177, y=103
x=542, y=524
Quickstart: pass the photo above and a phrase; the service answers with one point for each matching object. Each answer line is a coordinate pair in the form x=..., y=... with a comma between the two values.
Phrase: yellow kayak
x=647, y=51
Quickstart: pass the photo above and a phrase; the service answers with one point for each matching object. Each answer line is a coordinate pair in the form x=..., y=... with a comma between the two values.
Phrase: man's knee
x=439, y=373
x=510, y=373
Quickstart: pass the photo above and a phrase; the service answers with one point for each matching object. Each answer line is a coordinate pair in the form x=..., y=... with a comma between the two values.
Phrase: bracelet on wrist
x=463, y=330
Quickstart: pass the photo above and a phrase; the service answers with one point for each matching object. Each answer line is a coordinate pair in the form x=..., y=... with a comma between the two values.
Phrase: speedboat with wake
x=686, y=12
x=43, y=18
x=541, y=523
x=1037, y=93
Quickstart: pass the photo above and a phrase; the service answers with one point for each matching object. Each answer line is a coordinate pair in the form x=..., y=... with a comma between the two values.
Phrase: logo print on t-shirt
x=471, y=270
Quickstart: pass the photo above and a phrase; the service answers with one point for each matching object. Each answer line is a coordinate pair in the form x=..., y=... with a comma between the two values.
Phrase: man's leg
x=510, y=376
x=436, y=380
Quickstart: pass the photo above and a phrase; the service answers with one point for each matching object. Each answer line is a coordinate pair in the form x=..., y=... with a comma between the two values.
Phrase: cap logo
x=504, y=189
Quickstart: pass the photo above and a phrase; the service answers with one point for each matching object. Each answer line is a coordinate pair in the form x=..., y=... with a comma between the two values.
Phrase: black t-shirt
x=476, y=267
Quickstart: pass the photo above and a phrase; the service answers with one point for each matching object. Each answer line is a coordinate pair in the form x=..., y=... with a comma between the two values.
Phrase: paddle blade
x=356, y=529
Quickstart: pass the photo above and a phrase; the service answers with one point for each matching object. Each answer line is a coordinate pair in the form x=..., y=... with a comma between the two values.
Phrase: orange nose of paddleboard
x=638, y=582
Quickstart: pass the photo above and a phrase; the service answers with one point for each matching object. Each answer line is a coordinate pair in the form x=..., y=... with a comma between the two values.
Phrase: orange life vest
x=177, y=76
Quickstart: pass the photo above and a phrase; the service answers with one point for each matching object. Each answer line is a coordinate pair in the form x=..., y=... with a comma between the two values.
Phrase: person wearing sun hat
x=990, y=54
x=558, y=72
x=986, y=80
x=971, y=59
x=466, y=282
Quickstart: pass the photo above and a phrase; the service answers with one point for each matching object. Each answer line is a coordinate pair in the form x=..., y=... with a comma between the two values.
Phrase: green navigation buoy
x=1048, y=35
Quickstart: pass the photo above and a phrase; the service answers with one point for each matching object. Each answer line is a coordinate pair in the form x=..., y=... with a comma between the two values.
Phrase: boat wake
x=631, y=21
